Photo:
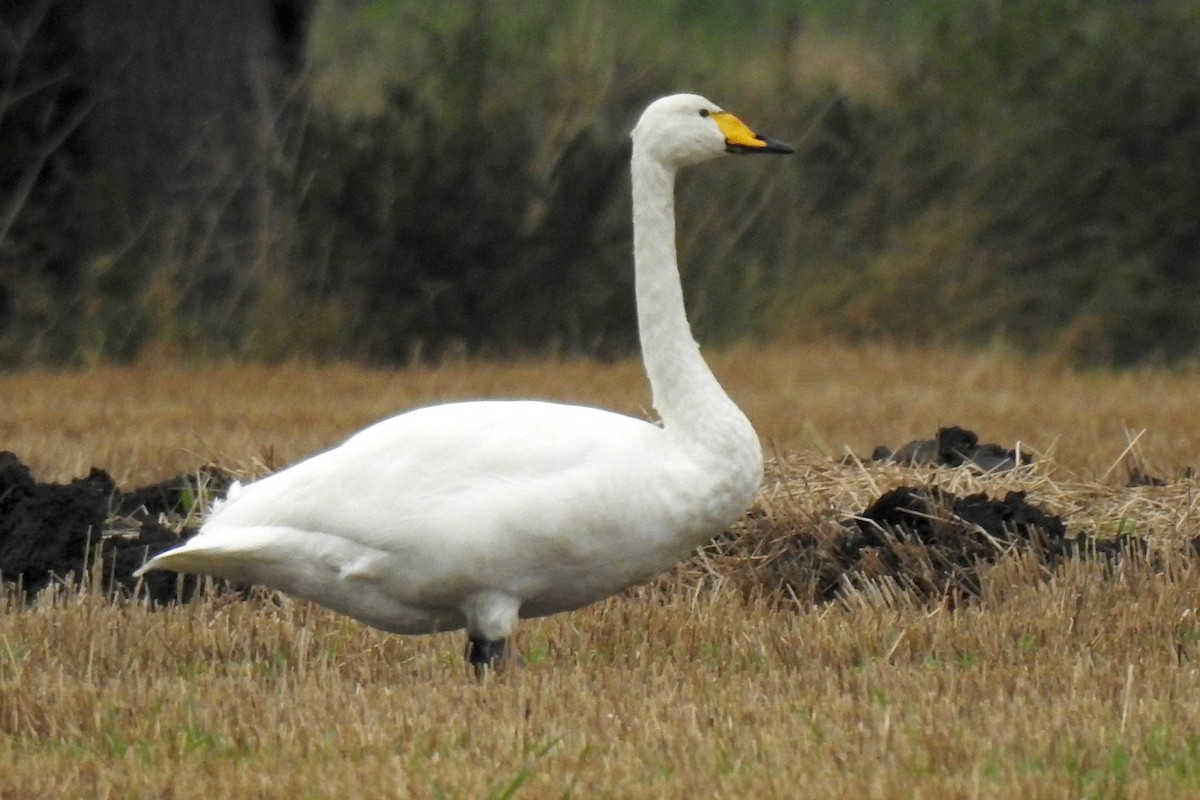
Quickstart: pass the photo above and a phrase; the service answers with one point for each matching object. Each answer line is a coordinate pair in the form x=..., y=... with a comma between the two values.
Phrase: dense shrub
x=43, y=164
x=445, y=236
x=1030, y=177
x=484, y=205
x=1040, y=181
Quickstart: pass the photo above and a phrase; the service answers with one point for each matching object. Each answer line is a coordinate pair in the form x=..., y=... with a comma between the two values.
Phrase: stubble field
x=712, y=682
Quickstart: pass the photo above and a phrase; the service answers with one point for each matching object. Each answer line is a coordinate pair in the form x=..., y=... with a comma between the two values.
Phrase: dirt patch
x=925, y=541
x=1137, y=475
x=959, y=447
x=952, y=447
x=54, y=532
x=936, y=543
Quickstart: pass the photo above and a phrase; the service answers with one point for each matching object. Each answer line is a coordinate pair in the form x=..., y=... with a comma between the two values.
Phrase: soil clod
x=937, y=543
x=952, y=447
x=56, y=532
x=925, y=541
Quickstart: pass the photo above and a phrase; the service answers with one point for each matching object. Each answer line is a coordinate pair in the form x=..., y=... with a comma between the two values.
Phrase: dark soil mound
x=927, y=541
x=953, y=447
x=955, y=536
x=49, y=531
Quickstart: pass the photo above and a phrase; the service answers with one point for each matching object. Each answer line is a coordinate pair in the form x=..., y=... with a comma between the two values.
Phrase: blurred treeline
x=393, y=180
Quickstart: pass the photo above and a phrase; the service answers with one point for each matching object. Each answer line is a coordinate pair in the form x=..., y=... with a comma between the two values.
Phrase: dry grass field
x=1081, y=683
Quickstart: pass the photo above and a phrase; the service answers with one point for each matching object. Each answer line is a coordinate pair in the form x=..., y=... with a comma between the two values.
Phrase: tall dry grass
x=1080, y=683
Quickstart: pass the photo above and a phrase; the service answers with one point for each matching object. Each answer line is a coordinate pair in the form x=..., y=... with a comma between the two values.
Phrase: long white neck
x=687, y=396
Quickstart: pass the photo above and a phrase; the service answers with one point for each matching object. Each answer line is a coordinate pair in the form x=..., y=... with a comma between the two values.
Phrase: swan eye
x=704, y=112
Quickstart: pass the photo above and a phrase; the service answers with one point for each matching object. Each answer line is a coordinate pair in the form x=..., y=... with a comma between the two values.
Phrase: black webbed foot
x=484, y=654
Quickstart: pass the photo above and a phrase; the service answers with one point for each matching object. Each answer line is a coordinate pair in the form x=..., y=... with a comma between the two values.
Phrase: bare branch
x=17, y=41
x=16, y=202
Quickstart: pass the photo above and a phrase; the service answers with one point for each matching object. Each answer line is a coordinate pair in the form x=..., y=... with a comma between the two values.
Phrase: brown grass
x=1079, y=683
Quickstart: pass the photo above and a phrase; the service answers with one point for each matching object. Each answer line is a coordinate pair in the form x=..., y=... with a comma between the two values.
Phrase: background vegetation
x=416, y=180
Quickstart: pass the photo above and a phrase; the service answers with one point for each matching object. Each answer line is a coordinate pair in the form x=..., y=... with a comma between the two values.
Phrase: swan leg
x=484, y=654
x=491, y=617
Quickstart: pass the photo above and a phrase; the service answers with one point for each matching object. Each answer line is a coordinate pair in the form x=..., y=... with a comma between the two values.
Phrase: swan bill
x=740, y=139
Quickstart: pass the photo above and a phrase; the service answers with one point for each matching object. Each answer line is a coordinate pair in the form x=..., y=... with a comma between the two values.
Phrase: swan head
x=684, y=129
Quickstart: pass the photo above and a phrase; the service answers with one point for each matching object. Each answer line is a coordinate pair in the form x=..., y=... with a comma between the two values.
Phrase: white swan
x=475, y=514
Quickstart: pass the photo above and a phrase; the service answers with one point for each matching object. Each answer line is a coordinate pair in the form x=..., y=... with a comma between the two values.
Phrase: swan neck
x=686, y=394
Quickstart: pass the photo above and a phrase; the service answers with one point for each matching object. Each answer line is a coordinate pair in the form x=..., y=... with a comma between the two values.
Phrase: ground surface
x=876, y=626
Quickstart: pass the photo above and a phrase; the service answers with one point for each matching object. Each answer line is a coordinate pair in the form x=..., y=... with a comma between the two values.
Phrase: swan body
x=472, y=515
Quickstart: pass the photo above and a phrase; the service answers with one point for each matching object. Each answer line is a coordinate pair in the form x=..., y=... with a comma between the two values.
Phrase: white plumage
x=475, y=514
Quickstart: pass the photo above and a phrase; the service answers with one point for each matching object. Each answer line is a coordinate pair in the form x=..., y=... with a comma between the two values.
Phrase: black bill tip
x=769, y=146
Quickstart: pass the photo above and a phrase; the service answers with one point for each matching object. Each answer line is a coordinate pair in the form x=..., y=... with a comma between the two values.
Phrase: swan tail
x=181, y=559
x=222, y=554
